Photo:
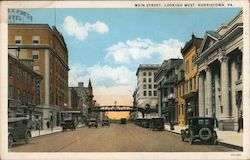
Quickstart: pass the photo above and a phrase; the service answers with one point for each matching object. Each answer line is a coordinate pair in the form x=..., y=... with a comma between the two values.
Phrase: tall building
x=165, y=78
x=189, y=53
x=146, y=90
x=24, y=92
x=220, y=74
x=47, y=48
x=179, y=100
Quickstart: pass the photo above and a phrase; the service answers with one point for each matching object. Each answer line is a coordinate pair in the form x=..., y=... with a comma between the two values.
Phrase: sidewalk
x=35, y=133
x=227, y=138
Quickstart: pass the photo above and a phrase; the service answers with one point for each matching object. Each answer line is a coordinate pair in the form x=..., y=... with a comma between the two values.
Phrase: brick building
x=47, y=48
x=24, y=90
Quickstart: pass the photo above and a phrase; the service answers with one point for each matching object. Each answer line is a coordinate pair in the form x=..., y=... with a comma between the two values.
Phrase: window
x=206, y=111
x=149, y=80
x=221, y=109
x=182, y=109
x=35, y=55
x=194, y=83
x=18, y=39
x=187, y=67
x=144, y=86
x=144, y=73
x=186, y=86
x=10, y=92
x=18, y=73
x=239, y=66
x=24, y=97
x=150, y=86
x=190, y=83
x=36, y=68
x=155, y=93
x=36, y=39
x=165, y=92
x=144, y=80
x=155, y=86
x=18, y=95
x=10, y=70
x=144, y=93
x=171, y=90
x=149, y=73
x=149, y=93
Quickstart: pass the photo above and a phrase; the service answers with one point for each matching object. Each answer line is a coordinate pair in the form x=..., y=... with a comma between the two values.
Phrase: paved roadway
x=116, y=138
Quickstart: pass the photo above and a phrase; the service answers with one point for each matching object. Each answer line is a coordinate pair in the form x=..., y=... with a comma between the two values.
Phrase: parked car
x=18, y=129
x=92, y=123
x=105, y=122
x=157, y=124
x=68, y=124
x=201, y=128
x=146, y=123
x=123, y=121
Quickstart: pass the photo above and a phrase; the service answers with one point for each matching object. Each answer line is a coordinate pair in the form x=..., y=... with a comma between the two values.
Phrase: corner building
x=47, y=48
x=220, y=74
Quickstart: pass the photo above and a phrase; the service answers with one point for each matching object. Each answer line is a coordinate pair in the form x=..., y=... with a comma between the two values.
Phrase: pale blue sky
x=107, y=45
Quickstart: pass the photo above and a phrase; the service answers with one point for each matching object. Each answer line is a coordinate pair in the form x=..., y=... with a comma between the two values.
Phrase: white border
x=116, y=155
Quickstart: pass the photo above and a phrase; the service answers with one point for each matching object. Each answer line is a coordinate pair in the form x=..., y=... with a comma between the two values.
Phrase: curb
x=240, y=148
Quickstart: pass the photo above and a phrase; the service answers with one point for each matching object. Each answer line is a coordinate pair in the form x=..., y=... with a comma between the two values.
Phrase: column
x=217, y=101
x=201, y=96
x=224, y=86
x=233, y=89
x=209, y=92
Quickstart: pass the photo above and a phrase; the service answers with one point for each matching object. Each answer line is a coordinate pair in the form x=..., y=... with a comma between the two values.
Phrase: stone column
x=224, y=87
x=217, y=101
x=209, y=92
x=233, y=90
x=201, y=96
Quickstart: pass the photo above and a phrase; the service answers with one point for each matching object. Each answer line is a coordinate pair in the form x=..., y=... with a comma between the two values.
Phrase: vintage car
x=123, y=121
x=92, y=123
x=157, y=124
x=18, y=129
x=146, y=123
x=200, y=128
x=68, y=124
x=105, y=122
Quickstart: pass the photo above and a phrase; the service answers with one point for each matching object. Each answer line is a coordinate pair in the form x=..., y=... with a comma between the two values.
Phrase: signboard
x=19, y=16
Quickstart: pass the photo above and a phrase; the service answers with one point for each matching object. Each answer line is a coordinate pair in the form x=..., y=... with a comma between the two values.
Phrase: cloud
x=74, y=28
x=143, y=49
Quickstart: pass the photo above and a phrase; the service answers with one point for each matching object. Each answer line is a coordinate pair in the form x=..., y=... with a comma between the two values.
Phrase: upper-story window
x=144, y=73
x=35, y=39
x=144, y=86
x=239, y=66
x=149, y=73
x=144, y=80
x=149, y=80
x=18, y=39
x=10, y=70
x=35, y=55
x=187, y=67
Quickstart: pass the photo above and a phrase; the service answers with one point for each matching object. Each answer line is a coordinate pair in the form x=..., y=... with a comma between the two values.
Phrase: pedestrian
x=51, y=123
x=240, y=123
x=48, y=125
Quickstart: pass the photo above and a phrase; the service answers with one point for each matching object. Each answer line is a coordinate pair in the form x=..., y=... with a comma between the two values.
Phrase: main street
x=116, y=138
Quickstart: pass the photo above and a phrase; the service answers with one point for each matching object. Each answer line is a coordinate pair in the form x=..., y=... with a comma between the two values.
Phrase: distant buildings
x=46, y=47
x=146, y=90
x=166, y=77
x=24, y=89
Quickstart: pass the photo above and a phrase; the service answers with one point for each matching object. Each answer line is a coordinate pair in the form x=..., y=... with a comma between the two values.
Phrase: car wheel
x=10, y=141
x=27, y=137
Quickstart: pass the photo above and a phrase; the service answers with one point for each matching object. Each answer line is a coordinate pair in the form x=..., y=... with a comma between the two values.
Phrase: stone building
x=47, y=48
x=189, y=53
x=165, y=78
x=146, y=90
x=24, y=90
x=179, y=100
x=220, y=74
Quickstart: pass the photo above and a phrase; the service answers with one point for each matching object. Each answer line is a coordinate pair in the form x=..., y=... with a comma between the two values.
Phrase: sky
x=107, y=45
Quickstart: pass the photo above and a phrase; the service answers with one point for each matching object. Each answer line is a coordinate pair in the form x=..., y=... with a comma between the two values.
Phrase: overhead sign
x=19, y=16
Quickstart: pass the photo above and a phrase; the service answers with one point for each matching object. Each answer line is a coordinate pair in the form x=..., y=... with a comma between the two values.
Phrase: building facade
x=146, y=90
x=24, y=90
x=47, y=48
x=179, y=100
x=166, y=77
x=220, y=74
x=189, y=53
